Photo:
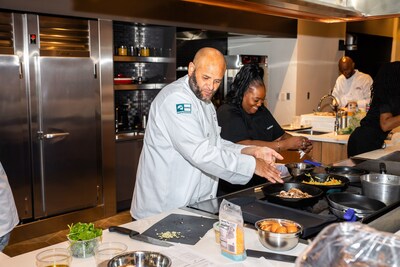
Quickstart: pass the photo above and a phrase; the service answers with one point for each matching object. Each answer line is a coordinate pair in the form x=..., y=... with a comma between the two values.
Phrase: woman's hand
x=298, y=143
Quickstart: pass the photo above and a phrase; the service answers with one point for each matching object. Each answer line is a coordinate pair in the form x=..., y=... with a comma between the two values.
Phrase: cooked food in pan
x=294, y=193
x=329, y=181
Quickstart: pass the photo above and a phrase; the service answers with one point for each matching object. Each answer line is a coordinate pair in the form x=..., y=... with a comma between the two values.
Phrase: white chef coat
x=9, y=215
x=183, y=154
x=356, y=88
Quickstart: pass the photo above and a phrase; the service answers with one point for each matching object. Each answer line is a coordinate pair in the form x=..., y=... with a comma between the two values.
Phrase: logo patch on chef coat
x=183, y=108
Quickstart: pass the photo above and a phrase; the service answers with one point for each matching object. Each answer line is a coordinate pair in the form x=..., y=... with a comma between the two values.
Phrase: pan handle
x=317, y=164
x=350, y=215
x=382, y=168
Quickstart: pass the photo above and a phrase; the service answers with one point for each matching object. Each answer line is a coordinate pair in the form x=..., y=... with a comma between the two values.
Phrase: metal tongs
x=302, y=153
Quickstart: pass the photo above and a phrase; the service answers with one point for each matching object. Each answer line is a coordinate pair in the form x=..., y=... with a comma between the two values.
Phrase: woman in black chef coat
x=244, y=119
x=383, y=115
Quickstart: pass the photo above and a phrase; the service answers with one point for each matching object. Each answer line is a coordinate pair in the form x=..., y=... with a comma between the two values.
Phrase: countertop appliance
x=50, y=113
x=233, y=65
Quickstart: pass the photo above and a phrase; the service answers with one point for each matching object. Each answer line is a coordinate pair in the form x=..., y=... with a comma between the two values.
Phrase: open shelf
x=144, y=59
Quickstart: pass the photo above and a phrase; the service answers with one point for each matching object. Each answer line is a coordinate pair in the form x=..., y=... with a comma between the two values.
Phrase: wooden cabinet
x=329, y=153
x=324, y=152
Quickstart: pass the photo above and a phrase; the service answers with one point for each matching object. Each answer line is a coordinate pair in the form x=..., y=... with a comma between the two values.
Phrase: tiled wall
x=132, y=106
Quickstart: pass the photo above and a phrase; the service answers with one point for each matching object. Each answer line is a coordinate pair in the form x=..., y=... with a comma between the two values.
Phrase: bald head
x=206, y=72
x=209, y=56
x=346, y=67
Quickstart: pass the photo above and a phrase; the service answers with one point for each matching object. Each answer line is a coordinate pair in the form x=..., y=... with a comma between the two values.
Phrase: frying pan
x=351, y=173
x=322, y=177
x=359, y=203
x=271, y=192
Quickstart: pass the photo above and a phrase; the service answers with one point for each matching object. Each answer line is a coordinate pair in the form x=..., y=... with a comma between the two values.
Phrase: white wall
x=317, y=65
x=282, y=72
x=297, y=67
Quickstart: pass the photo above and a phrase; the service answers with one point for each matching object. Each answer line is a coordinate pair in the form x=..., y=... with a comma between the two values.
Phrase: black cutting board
x=254, y=210
x=191, y=228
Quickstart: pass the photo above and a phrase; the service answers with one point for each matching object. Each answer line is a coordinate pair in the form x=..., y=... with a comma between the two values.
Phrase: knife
x=270, y=255
x=137, y=236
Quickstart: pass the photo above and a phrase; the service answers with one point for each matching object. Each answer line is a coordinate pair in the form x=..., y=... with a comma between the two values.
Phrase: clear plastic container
x=351, y=244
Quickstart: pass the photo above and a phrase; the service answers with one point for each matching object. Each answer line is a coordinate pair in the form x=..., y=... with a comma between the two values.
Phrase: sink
x=310, y=132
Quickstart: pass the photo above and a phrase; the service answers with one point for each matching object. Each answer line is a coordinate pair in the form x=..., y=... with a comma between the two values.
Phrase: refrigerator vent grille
x=65, y=37
x=6, y=34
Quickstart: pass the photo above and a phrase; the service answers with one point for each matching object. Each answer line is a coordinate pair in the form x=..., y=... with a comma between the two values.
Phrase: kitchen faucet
x=334, y=106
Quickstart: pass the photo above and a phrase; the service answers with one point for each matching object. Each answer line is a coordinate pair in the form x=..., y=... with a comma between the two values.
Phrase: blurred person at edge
x=352, y=85
x=183, y=155
x=9, y=215
x=245, y=120
x=383, y=115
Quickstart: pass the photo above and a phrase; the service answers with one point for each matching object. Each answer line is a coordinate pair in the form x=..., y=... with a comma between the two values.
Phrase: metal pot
x=383, y=187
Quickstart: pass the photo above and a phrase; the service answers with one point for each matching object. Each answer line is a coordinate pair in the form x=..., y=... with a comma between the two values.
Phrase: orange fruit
x=281, y=230
x=289, y=224
x=267, y=228
x=291, y=228
x=275, y=226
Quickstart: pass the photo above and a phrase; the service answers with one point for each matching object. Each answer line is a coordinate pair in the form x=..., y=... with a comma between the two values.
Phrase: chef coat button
x=211, y=196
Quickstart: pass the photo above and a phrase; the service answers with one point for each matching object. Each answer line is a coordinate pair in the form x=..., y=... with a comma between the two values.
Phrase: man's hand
x=268, y=170
x=262, y=152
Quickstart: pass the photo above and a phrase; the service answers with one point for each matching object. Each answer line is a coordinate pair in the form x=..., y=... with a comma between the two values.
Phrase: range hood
x=328, y=11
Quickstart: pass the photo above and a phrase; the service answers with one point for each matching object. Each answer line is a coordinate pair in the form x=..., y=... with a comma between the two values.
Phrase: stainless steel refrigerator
x=50, y=113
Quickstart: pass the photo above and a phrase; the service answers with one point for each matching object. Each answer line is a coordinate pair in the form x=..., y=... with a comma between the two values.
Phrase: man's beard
x=196, y=89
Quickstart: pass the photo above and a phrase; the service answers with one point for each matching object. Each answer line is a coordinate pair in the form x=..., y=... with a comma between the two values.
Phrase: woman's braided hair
x=249, y=74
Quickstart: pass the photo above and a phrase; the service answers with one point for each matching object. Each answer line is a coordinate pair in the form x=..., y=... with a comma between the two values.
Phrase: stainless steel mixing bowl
x=140, y=259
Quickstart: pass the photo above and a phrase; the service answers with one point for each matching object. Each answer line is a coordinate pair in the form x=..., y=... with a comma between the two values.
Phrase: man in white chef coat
x=183, y=155
x=8, y=211
x=352, y=85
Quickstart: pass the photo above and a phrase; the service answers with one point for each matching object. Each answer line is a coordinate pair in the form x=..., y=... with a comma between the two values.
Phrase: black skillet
x=351, y=173
x=322, y=177
x=359, y=203
x=271, y=193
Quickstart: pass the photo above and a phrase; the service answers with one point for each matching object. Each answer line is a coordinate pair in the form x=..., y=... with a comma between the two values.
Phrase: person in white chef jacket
x=183, y=155
x=352, y=85
x=8, y=211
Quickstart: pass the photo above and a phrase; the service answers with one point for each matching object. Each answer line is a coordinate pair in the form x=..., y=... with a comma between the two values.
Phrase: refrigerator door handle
x=54, y=135
x=95, y=71
x=21, y=74
x=42, y=136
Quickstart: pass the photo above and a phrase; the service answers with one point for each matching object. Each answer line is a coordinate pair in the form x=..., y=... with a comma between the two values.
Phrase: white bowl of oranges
x=278, y=234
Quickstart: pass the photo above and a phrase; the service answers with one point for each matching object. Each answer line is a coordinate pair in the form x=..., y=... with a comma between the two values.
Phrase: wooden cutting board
x=190, y=228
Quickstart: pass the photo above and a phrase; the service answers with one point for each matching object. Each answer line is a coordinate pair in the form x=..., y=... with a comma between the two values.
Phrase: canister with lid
x=122, y=50
x=145, y=51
